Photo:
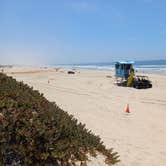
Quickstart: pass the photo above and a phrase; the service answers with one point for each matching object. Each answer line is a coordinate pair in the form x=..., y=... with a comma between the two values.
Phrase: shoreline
x=53, y=68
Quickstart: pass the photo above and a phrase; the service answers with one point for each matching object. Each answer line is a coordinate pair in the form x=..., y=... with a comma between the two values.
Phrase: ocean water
x=152, y=66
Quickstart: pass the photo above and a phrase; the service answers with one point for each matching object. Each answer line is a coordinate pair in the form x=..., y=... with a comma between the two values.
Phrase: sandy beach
x=93, y=98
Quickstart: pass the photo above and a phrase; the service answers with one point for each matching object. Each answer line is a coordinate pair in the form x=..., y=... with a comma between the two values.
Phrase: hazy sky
x=80, y=31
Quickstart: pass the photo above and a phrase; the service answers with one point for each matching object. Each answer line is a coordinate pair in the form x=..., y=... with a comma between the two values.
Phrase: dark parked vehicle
x=141, y=82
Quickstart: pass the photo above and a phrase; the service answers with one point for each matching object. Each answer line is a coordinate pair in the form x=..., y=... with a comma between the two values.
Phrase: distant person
x=131, y=76
x=131, y=69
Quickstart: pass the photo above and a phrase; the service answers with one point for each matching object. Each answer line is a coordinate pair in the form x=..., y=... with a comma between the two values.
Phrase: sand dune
x=93, y=98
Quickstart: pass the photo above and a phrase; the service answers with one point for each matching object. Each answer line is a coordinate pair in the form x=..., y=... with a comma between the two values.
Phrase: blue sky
x=81, y=31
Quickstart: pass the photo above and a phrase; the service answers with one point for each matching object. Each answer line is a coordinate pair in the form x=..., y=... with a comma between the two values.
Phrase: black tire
x=150, y=85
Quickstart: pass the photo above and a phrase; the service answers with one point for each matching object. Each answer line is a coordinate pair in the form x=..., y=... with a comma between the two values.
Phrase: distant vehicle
x=125, y=76
x=71, y=72
x=141, y=82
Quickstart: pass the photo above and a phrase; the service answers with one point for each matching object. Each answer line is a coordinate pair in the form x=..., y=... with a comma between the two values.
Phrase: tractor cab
x=123, y=68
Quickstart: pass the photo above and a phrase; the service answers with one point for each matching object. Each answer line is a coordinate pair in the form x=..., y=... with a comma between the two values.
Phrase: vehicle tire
x=150, y=85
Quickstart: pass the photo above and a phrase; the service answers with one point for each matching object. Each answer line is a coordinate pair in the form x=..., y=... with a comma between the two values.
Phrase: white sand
x=138, y=137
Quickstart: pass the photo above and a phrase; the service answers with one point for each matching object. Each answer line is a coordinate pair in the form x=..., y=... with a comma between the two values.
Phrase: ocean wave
x=151, y=66
x=151, y=70
x=139, y=68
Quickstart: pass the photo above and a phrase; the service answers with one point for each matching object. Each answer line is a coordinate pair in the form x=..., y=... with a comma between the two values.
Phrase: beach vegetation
x=36, y=132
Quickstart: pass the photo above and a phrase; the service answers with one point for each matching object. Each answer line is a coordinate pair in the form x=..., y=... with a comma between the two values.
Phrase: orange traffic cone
x=127, y=109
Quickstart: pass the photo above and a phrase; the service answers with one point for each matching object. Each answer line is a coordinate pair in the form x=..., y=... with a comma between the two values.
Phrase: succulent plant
x=34, y=131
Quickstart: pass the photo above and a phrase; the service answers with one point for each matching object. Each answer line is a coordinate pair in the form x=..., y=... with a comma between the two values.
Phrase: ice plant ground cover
x=34, y=131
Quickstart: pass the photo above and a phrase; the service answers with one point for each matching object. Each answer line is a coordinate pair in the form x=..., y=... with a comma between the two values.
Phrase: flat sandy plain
x=93, y=98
